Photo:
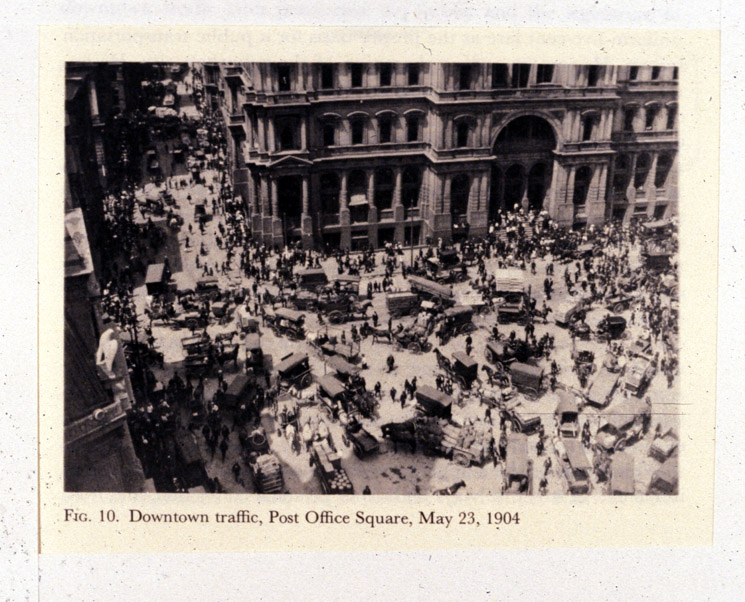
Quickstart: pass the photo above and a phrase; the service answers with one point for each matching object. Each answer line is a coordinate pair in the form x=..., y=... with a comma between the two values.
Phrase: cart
x=363, y=443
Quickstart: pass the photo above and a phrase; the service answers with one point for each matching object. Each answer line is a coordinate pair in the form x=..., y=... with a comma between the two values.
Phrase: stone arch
x=550, y=119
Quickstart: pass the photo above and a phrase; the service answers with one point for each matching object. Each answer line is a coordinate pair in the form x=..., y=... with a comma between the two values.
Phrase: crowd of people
x=519, y=238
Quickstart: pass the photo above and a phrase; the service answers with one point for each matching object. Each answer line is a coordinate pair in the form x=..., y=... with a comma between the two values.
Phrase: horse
x=400, y=432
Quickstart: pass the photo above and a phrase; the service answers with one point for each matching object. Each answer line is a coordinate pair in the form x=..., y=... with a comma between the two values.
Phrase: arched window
x=656, y=72
x=525, y=134
x=384, y=185
x=629, y=114
x=643, y=163
x=329, y=193
x=664, y=163
x=651, y=115
x=283, y=78
x=385, y=128
x=357, y=183
x=413, y=128
x=589, y=125
x=621, y=173
x=460, y=189
x=633, y=73
x=410, y=184
x=357, y=125
x=672, y=111
x=329, y=133
x=462, y=129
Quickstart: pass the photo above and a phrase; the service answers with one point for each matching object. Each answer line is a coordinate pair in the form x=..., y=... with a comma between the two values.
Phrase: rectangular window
x=385, y=129
x=650, y=117
x=520, y=75
x=356, y=75
x=675, y=73
x=587, y=126
x=628, y=119
x=461, y=140
x=283, y=78
x=327, y=76
x=385, y=74
x=413, y=74
x=464, y=77
x=412, y=129
x=671, y=118
x=499, y=75
x=329, y=134
x=656, y=72
x=633, y=73
x=358, y=129
x=593, y=75
x=545, y=74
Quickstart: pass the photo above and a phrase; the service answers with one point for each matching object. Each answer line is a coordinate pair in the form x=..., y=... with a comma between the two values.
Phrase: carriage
x=402, y=303
x=256, y=361
x=363, y=443
x=294, y=371
x=567, y=416
x=518, y=468
x=332, y=395
x=312, y=279
x=413, y=338
x=462, y=368
x=455, y=321
x=287, y=322
x=527, y=379
x=431, y=402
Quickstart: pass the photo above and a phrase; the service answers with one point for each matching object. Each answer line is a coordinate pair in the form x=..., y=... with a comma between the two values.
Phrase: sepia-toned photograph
x=371, y=278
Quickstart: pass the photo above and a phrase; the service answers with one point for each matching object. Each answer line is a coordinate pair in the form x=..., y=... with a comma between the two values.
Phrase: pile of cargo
x=333, y=477
x=467, y=444
x=267, y=474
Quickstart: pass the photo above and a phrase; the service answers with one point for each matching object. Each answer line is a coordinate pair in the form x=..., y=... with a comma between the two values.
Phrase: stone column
x=262, y=145
x=631, y=189
x=344, y=215
x=372, y=215
x=271, y=146
x=266, y=209
x=274, y=198
x=649, y=188
x=306, y=221
x=304, y=132
x=532, y=74
x=399, y=212
x=448, y=141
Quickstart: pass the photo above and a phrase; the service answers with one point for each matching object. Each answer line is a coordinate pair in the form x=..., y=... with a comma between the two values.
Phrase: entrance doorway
x=523, y=166
x=290, y=201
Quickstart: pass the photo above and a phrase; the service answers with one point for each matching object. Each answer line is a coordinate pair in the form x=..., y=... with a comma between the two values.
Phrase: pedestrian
x=403, y=399
x=547, y=466
x=543, y=486
x=487, y=415
x=366, y=490
x=236, y=471
x=393, y=394
x=224, y=448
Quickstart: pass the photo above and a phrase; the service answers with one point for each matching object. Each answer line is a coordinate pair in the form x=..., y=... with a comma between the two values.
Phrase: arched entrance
x=524, y=154
x=290, y=201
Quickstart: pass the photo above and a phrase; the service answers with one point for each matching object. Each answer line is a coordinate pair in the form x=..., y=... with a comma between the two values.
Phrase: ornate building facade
x=357, y=154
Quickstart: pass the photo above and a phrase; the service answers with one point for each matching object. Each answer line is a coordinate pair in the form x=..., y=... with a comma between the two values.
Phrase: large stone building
x=351, y=154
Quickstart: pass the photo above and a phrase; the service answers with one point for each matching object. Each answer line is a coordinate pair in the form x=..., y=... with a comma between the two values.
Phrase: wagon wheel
x=531, y=392
x=499, y=365
x=357, y=450
x=618, y=308
x=461, y=459
x=415, y=347
x=620, y=446
x=345, y=440
x=305, y=381
x=490, y=356
x=336, y=317
x=515, y=426
x=461, y=381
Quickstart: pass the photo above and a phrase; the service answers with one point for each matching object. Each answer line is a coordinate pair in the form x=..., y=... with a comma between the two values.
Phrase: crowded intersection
x=537, y=360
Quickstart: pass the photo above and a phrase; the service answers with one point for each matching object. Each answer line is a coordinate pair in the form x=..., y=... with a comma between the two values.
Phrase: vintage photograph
x=371, y=278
